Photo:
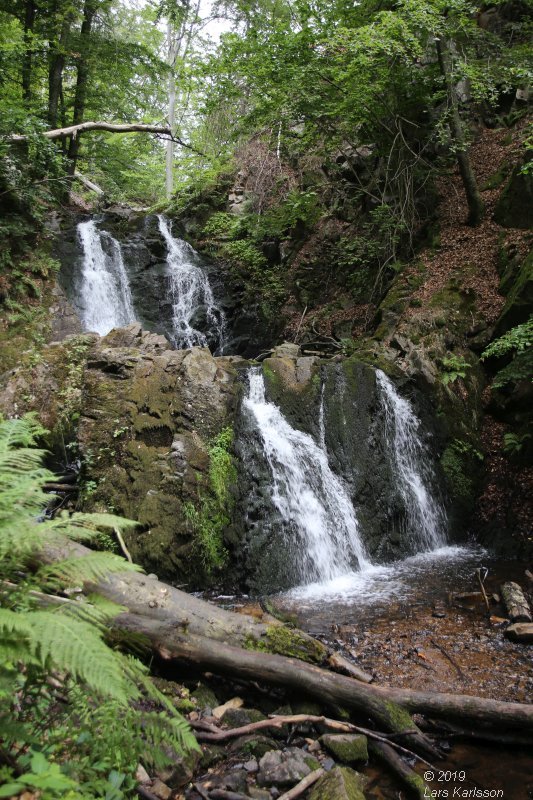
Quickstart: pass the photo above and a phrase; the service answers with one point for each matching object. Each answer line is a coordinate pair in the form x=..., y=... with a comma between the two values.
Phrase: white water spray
x=189, y=288
x=313, y=502
x=426, y=518
x=105, y=296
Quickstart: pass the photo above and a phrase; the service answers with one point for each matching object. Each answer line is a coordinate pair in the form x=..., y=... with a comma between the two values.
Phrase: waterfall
x=105, y=296
x=189, y=289
x=312, y=501
x=426, y=518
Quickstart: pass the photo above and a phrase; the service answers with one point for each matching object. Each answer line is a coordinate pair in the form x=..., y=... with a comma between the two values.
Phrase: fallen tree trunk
x=515, y=602
x=147, y=596
x=381, y=704
x=185, y=629
x=83, y=127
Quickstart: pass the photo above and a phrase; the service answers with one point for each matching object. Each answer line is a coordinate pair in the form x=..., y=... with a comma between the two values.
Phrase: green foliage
x=299, y=209
x=245, y=255
x=516, y=343
x=516, y=340
x=55, y=665
x=222, y=225
x=212, y=515
x=454, y=367
x=514, y=443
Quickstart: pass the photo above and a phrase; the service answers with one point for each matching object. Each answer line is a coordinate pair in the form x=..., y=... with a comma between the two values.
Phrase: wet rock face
x=144, y=253
x=143, y=416
x=354, y=431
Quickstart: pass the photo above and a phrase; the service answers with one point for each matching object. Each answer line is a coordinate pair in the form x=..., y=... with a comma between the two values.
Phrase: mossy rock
x=342, y=783
x=205, y=697
x=238, y=717
x=212, y=754
x=515, y=206
x=252, y=745
x=346, y=747
x=519, y=303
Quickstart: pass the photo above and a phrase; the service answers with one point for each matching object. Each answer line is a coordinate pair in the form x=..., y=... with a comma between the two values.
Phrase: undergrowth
x=76, y=716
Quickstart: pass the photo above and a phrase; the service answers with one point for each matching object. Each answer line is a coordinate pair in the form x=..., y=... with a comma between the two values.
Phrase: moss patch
x=285, y=641
x=342, y=783
x=348, y=748
x=211, y=516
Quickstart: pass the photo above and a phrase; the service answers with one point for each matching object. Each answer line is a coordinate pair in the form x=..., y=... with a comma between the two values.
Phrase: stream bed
x=422, y=623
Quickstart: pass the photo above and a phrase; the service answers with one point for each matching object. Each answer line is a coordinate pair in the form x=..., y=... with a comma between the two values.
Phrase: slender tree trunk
x=27, y=63
x=473, y=197
x=56, y=65
x=171, y=60
x=82, y=80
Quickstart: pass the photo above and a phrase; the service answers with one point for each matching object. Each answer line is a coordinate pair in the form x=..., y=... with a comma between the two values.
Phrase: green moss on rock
x=348, y=748
x=342, y=783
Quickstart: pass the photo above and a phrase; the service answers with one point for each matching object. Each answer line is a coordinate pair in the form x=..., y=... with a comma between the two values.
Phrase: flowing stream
x=312, y=501
x=189, y=290
x=317, y=512
x=426, y=518
x=104, y=295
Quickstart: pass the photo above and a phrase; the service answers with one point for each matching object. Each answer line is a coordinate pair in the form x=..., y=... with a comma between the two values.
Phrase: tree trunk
x=473, y=197
x=55, y=78
x=171, y=60
x=27, y=63
x=186, y=629
x=76, y=130
x=82, y=80
x=515, y=602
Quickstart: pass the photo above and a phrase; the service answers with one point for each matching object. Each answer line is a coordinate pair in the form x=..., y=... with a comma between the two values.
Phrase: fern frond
x=82, y=526
x=98, y=614
x=12, y=622
x=76, y=647
x=86, y=570
x=21, y=432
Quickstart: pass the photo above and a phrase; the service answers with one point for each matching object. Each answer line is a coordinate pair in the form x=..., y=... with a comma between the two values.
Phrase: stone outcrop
x=142, y=417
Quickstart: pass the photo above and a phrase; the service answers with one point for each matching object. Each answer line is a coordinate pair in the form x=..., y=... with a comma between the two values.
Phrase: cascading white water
x=189, y=288
x=104, y=297
x=426, y=518
x=311, y=499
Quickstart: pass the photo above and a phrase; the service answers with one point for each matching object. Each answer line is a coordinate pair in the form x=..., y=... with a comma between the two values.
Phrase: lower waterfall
x=311, y=499
x=316, y=539
x=425, y=516
x=104, y=293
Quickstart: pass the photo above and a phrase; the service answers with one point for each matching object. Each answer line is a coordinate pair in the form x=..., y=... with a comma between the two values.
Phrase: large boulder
x=143, y=417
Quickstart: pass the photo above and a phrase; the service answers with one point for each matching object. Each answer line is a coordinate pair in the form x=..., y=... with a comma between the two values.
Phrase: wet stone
x=284, y=768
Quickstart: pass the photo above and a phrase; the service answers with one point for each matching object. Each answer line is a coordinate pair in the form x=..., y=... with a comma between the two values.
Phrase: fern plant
x=517, y=344
x=61, y=684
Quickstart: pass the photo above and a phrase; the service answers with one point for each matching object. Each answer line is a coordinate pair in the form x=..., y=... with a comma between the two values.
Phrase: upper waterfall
x=312, y=501
x=189, y=289
x=104, y=295
x=425, y=516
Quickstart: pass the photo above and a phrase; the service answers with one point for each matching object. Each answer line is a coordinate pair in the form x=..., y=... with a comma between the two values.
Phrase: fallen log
x=382, y=704
x=414, y=783
x=515, y=602
x=83, y=127
x=209, y=733
x=185, y=629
